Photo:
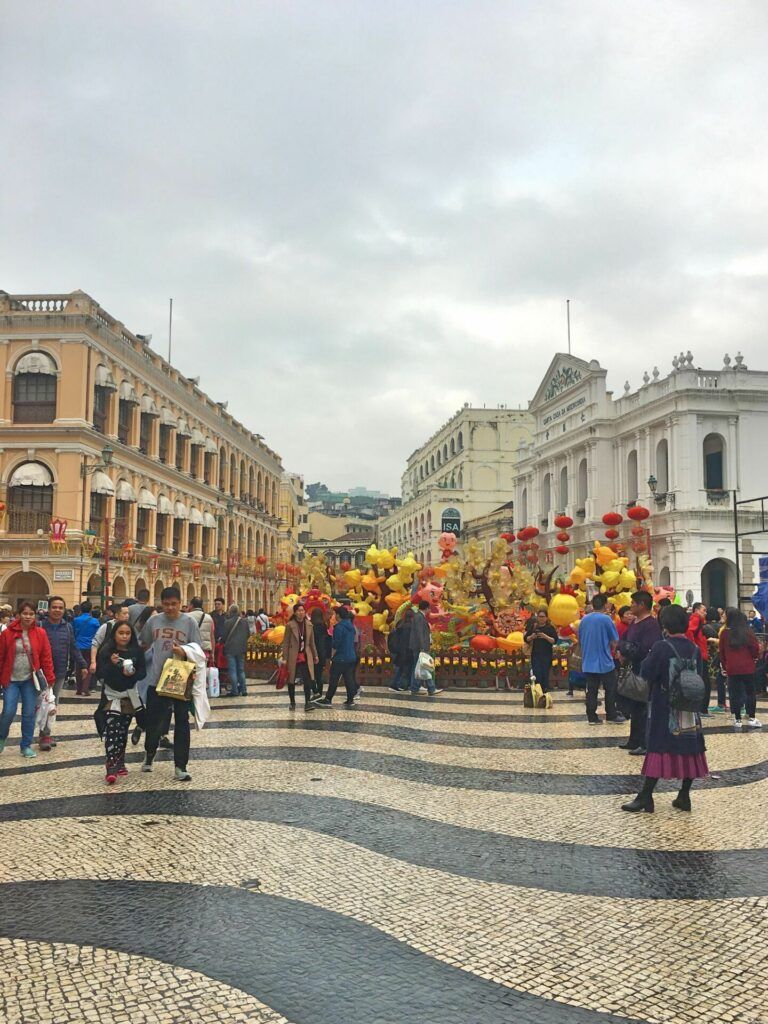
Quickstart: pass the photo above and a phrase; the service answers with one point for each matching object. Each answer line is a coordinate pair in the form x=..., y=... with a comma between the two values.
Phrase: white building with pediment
x=680, y=445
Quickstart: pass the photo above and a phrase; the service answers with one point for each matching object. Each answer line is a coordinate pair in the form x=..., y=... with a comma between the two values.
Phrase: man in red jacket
x=24, y=651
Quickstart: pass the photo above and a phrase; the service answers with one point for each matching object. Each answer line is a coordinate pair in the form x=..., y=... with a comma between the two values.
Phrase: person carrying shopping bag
x=26, y=667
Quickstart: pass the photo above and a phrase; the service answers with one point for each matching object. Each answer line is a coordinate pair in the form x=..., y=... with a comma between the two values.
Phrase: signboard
x=450, y=521
x=63, y=575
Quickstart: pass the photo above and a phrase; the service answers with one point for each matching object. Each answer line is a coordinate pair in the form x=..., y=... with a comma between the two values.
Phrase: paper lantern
x=262, y=559
x=563, y=609
x=563, y=522
x=483, y=643
x=528, y=533
x=508, y=537
x=562, y=549
x=613, y=518
x=531, y=556
x=638, y=531
x=345, y=566
x=611, y=534
x=638, y=513
x=563, y=536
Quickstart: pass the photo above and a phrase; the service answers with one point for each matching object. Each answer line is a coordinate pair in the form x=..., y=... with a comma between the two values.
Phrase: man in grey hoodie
x=235, y=633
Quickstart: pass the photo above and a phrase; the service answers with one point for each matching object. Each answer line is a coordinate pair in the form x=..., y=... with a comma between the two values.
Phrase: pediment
x=564, y=372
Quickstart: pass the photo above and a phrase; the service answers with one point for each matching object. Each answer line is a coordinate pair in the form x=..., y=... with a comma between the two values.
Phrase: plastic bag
x=213, y=682
x=425, y=667
x=46, y=710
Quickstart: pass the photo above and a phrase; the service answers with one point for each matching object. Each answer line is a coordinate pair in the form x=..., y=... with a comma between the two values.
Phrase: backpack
x=686, y=688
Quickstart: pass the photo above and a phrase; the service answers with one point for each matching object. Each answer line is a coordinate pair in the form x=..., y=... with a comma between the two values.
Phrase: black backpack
x=687, y=689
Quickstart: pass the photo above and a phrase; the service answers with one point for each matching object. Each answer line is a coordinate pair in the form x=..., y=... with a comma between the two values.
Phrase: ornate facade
x=190, y=496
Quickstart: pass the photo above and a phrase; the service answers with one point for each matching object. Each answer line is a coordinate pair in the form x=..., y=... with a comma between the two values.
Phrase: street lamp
x=86, y=469
x=667, y=497
x=230, y=510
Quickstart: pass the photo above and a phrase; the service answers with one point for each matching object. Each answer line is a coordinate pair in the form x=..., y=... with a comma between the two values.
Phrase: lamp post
x=86, y=470
x=230, y=510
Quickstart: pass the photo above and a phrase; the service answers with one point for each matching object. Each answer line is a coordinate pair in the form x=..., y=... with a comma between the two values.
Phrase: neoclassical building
x=465, y=470
x=681, y=444
x=185, y=495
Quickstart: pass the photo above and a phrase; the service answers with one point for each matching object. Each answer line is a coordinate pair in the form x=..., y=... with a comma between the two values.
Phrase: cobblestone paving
x=458, y=860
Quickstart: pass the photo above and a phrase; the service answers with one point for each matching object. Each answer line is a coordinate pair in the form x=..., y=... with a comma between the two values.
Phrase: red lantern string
x=638, y=513
x=613, y=518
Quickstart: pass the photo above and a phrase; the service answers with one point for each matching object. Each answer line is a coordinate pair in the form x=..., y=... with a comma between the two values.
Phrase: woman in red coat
x=24, y=650
x=739, y=651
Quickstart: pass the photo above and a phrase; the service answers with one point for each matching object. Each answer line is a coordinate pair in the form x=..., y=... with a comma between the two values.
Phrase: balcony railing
x=24, y=520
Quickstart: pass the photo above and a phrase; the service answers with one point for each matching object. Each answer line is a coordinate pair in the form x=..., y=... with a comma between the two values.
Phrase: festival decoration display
x=57, y=536
x=90, y=544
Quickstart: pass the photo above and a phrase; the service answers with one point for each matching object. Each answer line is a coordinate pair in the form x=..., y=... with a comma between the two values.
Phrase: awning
x=164, y=507
x=36, y=362
x=196, y=517
x=197, y=437
x=101, y=484
x=210, y=446
x=104, y=378
x=31, y=474
x=124, y=491
x=182, y=427
x=180, y=510
x=127, y=393
x=147, y=499
x=166, y=417
x=208, y=521
x=148, y=406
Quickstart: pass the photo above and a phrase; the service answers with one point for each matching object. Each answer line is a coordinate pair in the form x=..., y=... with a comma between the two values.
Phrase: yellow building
x=293, y=519
x=184, y=494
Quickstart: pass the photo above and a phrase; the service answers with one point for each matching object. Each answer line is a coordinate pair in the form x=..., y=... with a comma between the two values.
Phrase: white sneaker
x=754, y=723
x=737, y=723
x=358, y=695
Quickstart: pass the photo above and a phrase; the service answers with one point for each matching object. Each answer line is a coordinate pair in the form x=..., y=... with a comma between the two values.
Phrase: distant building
x=465, y=470
x=487, y=528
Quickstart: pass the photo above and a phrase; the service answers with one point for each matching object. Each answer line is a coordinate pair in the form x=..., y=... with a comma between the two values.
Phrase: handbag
x=37, y=676
x=631, y=685
x=281, y=676
x=176, y=679
x=425, y=667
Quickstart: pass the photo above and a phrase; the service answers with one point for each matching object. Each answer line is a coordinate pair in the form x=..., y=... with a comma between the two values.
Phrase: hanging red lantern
x=262, y=559
x=638, y=531
x=563, y=536
x=508, y=537
x=613, y=518
x=345, y=566
x=611, y=534
x=638, y=513
x=532, y=556
x=528, y=533
x=562, y=549
x=638, y=545
x=563, y=522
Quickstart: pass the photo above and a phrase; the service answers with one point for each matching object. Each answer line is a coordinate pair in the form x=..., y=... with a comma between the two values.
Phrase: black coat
x=660, y=739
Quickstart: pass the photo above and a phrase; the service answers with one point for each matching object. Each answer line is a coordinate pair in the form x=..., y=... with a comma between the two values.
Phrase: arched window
x=243, y=477
x=251, y=485
x=453, y=447
x=714, y=462
x=524, y=507
x=563, y=487
x=632, y=475
x=259, y=488
x=103, y=389
x=222, y=469
x=432, y=463
x=662, y=466
x=274, y=498
x=439, y=457
x=460, y=441
x=34, y=389
x=445, y=453
x=546, y=493
x=232, y=475
x=30, y=498
x=583, y=492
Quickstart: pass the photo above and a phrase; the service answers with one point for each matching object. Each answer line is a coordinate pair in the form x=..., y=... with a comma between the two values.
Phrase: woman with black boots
x=674, y=739
x=120, y=665
x=300, y=655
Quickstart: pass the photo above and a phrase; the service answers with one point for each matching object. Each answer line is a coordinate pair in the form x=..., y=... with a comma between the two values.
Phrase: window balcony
x=24, y=520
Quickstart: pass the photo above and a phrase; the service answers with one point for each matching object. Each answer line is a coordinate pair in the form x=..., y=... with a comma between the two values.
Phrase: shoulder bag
x=631, y=685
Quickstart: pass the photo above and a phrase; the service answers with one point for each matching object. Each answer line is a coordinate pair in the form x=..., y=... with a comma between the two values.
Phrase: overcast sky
x=369, y=213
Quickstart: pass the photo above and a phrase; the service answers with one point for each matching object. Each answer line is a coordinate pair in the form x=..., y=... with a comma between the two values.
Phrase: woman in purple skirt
x=674, y=740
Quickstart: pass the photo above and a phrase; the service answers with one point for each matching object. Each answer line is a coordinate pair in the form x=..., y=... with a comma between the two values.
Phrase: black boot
x=683, y=799
x=644, y=799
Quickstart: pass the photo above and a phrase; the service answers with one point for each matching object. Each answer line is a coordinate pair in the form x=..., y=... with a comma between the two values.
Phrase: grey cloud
x=368, y=214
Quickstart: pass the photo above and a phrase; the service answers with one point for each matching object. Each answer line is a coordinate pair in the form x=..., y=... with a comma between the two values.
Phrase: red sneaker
x=122, y=770
x=44, y=742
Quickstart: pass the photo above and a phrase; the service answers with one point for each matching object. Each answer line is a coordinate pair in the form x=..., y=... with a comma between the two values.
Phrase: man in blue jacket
x=65, y=654
x=598, y=638
x=85, y=626
x=343, y=660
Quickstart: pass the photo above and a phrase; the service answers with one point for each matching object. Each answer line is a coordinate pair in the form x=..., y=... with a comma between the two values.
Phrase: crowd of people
x=642, y=659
